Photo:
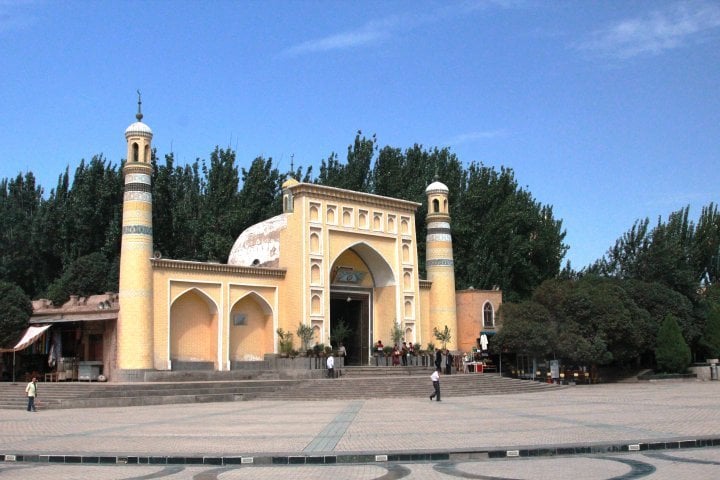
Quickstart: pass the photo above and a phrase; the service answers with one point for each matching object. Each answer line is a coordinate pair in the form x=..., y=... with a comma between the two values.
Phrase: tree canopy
x=502, y=236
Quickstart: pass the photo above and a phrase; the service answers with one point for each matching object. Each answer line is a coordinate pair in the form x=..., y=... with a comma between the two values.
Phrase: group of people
x=399, y=353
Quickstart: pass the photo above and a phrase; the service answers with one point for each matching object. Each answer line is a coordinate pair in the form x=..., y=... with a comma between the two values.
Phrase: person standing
x=435, y=377
x=438, y=359
x=31, y=391
x=448, y=362
x=404, y=353
x=330, y=366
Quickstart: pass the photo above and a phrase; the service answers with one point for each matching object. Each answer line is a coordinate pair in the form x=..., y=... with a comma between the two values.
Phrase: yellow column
x=135, y=320
x=439, y=263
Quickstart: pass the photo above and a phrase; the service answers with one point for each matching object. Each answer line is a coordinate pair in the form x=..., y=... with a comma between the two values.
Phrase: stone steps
x=78, y=395
x=356, y=382
x=349, y=387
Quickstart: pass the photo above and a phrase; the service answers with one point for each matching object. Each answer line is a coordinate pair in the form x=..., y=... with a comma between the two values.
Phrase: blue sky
x=608, y=110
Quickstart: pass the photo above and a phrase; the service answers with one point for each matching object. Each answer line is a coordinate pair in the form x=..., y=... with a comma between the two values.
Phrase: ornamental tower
x=135, y=321
x=439, y=261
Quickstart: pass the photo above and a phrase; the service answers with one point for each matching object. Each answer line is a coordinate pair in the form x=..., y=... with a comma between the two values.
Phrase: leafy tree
x=396, y=333
x=503, y=236
x=340, y=332
x=88, y=275
x=355, y=174
x=527, y=328
x=16, y=310
x=710, y=340
x=672, y=353
x=305, y=334
x=19, y=205
x=93, y=202
x=260, y=197
x=443, y=336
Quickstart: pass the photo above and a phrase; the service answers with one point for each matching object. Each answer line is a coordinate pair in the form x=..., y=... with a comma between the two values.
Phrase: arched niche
x=251, y=328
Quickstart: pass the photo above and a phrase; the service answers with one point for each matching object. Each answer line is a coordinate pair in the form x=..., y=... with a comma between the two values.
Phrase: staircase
x=53, y=395
x=400, y=382
x=355, y=382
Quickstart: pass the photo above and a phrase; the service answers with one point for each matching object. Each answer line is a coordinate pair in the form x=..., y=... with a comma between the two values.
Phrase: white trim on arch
x=382, y=272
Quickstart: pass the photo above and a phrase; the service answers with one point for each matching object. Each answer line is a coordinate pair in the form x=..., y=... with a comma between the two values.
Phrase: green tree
x=527, y=328
x=672, y=354
x=19, y=206
x=710, y=341
x=221, y=206
x=502, y=236
x=16, y=310
x=305, y=333
x=443, y=336
x=340, y=332
x=355, y=173
x=260, y=197
x=88, y=275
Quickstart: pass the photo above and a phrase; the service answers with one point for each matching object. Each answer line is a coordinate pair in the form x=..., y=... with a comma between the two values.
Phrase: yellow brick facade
x=332, y=256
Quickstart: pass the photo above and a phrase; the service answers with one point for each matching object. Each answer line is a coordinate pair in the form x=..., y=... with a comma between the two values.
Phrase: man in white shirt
x=31, y=391
x=435, y=377
x=330, y=366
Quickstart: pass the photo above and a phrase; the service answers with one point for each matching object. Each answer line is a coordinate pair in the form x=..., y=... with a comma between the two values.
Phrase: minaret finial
x=292, y=166
x=436, y=178
x=139, y=115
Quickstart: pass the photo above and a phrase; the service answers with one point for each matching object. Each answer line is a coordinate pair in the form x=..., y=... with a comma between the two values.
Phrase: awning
x=99, y=317
x=30, y=336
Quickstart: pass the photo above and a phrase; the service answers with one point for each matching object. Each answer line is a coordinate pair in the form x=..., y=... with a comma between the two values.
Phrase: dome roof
x=138, y=129
x=289, y=183
x=259, y=245
x=438, y=187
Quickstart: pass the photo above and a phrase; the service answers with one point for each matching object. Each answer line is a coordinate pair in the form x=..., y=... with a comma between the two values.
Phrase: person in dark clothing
x=448, y=362
x=438, y=359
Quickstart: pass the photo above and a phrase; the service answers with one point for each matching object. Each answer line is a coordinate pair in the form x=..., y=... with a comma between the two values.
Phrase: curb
x=362, y=458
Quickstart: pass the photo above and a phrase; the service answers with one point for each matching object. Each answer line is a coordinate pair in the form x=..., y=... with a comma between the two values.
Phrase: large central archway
x=359, y=277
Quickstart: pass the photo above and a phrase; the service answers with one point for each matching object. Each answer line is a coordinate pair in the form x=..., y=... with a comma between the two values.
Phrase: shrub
x=672, y=353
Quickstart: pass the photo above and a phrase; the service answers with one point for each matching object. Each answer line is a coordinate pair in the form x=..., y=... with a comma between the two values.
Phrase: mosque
x=332, y=255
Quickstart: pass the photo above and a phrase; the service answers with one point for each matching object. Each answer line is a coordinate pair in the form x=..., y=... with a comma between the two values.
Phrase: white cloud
x=380, y=30
x=470, y=137
x=656, y=32
x=363, y=36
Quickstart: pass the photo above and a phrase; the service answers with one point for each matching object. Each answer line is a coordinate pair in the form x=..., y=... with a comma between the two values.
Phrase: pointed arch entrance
x=362, y=285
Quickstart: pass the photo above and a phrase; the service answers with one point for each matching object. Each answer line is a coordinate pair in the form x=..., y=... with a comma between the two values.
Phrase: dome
x=138, y=129
x=437, y=187
x=259, y=245
x=290, y=182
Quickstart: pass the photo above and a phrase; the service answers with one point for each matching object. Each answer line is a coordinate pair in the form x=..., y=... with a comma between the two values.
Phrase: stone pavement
x=652, y=417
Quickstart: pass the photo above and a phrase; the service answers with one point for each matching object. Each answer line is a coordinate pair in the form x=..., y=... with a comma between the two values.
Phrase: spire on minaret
x=292, y=165
x=139, y=115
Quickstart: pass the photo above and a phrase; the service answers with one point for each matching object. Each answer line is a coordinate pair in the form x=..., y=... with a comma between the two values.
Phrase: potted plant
x=285, y=342
x=305, y=333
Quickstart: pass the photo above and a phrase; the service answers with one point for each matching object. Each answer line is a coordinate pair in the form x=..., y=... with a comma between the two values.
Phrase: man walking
x=330, y=365
x=31, y=391
x=435, y=377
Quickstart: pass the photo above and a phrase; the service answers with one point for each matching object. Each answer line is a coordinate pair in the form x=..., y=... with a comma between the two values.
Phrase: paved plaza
x=666, y=422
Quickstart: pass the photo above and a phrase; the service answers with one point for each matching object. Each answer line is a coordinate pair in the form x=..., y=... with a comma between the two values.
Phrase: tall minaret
x=439, y=261
x=135, y=320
